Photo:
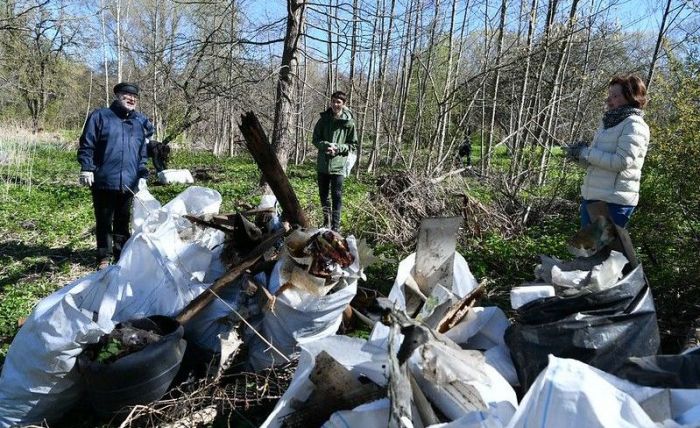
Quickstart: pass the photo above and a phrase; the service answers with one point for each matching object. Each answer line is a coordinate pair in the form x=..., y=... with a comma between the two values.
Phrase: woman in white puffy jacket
x=614, y=160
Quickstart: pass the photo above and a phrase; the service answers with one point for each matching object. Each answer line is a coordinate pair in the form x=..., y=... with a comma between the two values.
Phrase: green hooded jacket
x=341, y=132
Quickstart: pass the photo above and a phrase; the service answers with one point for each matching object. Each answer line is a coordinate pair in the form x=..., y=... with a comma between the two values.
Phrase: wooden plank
x=259, y=147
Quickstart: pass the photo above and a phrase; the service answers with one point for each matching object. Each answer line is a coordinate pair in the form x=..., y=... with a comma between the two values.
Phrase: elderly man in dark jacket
x=112, y=157
x=336, y=140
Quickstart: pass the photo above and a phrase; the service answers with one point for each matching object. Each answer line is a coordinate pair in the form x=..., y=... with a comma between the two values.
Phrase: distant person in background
x=465, y=149
x=614, y=160
x=112, y=157
x=336, y=141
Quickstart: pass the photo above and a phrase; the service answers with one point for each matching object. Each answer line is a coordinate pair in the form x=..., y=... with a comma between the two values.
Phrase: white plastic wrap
x=300, y=317
x=483, y=329
x=463, y=283
x=170, y=176
x=356, y=355
x=442, y=372
x=571, y=393
x=519, y=296
x=592, y=272
x=158, y=273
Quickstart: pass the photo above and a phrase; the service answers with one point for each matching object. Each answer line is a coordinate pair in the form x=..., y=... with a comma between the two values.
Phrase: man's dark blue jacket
x=113, y=146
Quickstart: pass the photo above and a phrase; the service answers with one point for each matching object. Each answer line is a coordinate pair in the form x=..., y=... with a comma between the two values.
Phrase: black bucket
x=138, y=378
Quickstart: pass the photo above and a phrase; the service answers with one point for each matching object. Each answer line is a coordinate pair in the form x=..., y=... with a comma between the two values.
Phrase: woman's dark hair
x=633, y=89
x=339, y=95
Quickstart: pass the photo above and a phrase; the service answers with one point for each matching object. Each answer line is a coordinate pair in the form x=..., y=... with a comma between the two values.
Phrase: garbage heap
x=580, y=349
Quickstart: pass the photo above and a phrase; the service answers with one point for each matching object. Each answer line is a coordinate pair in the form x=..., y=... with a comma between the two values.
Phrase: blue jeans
x=619, y=213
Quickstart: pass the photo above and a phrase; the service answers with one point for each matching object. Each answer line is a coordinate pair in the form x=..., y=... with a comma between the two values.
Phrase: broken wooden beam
x=259, y=147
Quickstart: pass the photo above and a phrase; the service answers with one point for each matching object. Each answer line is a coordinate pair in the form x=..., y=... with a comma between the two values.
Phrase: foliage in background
x=667, y=227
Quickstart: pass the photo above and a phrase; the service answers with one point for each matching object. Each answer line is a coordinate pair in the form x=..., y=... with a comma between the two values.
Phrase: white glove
x=142, y=184
x=87, y=178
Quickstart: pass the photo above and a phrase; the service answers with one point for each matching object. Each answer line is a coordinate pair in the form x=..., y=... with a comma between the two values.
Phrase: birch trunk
x=368, y=88
x=556, y=88
x=444, y=107
x=515, y=168
x=104, y=51
x=496, y=81
x=427, y=69
x=286, y=86
x=379, y=108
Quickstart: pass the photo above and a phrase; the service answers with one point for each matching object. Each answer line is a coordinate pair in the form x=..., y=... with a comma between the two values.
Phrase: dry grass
x=198, y=403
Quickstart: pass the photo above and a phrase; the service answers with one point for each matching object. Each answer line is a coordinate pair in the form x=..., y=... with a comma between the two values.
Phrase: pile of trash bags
x=579, y=350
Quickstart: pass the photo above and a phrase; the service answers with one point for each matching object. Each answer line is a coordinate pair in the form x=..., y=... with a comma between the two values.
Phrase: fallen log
x=259, y=147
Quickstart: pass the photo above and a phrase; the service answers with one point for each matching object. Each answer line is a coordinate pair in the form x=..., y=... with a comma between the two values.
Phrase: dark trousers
x=332, y=183
x=112, y=212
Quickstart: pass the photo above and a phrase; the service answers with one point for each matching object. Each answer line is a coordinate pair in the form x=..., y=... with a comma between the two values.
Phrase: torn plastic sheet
x=594, y=273
x=449, y=367
x=569, y=392
x=483, y=329
x=158, y=273
x=459, y=382
x=299, y=317
x=464, y=283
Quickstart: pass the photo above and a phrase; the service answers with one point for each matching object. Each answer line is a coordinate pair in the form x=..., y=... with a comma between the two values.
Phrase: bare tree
x=282, y=141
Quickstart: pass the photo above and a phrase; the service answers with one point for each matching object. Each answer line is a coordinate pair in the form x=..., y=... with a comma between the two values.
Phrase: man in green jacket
x=336, y=140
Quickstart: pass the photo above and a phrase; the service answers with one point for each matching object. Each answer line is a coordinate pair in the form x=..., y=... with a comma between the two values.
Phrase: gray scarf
x=615, y=116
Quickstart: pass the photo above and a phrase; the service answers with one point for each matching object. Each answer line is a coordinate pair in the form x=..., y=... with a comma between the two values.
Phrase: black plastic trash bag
x=602, y=329
x=663, y=371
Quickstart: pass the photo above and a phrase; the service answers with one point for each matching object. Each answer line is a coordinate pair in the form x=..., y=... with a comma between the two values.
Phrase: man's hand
x=87, y=178
x=332, y=149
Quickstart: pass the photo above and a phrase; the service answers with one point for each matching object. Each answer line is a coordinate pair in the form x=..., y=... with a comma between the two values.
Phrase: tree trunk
x=353, y=50
x=368, y=88
x=384, y=58
x=282, y=139
x=520, y=137
x=552, y=102
x=104, y=51
x=659, y=41
x=119, y=41
x=496, y=81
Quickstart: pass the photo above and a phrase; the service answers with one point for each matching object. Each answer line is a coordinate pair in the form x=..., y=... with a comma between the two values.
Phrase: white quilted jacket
x=615, y=160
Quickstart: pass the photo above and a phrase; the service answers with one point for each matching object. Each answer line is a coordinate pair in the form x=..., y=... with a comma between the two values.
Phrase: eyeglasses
x=126, y=94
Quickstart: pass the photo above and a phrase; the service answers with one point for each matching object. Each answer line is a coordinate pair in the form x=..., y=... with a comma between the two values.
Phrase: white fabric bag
x=159, y=272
